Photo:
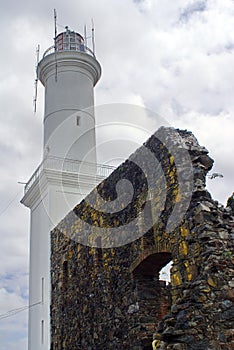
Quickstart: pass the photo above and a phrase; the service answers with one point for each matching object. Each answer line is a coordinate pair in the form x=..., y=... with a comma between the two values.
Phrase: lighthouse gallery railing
x=69, y=165
x=73, y=47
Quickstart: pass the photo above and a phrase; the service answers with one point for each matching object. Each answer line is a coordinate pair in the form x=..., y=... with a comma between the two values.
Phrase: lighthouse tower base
x=50, y=194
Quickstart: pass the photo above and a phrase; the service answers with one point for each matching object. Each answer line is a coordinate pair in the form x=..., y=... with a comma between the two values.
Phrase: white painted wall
x=49, y=199
x=39, y=267
x=68, y=95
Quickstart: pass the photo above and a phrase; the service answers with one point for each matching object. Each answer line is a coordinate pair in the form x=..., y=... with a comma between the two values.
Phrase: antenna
x=93, y=41
x=36, y=80
x=85, y=36
x=55, y=23
x=55, y=45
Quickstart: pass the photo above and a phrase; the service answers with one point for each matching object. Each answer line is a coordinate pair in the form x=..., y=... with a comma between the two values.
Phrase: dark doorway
x=153, y=295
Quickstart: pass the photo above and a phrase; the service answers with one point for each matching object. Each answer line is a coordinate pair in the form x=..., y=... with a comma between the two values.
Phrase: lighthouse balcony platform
x=74, y=47
x=69, y=166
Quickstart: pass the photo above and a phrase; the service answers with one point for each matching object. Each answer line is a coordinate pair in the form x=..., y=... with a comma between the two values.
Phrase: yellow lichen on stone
x=189, y=273
x=165, y=234
x=184, y=231
x=172, y=176
x=162, y=246
x=101, y=221
x=156, y=344
x=91, y=239
x=176, y=279
x=211, y=282
x=175, y=192
x=92, y=251
x=183, y=248
x=178, y=197
x=158, y=239
x=190, y=277
x=171, y=160
x=106, y=265
x=142, y=243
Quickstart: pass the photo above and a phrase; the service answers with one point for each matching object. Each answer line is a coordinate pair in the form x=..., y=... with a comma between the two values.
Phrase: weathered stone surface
x=111, y=298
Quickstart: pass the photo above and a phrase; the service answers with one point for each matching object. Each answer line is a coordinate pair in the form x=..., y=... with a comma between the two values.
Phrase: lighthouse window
x=77, y=120
x=42, y=332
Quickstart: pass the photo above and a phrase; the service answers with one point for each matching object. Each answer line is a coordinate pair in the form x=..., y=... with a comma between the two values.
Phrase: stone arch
x=147, y=253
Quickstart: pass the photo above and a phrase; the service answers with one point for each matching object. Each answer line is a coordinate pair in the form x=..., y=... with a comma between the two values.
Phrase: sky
x=173, y=58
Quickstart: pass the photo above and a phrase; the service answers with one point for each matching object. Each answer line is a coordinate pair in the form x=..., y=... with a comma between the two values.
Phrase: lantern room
x=68, y=41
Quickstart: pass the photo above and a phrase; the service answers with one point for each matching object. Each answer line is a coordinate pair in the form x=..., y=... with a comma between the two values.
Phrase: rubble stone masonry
x=111, y=298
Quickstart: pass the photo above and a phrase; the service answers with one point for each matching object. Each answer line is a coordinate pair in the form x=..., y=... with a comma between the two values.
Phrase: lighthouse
x=68, y=171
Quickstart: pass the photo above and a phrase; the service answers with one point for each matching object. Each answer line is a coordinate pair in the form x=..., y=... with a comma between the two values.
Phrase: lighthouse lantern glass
x=69, y=40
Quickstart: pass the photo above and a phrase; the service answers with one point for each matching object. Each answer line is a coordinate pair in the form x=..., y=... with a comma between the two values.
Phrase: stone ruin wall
x=112, y=298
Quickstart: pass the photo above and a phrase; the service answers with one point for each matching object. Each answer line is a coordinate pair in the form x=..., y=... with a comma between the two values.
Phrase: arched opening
x=153, y=294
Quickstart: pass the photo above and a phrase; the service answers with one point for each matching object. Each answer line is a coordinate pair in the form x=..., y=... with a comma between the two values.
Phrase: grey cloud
x=148, y=58
x=191, y=9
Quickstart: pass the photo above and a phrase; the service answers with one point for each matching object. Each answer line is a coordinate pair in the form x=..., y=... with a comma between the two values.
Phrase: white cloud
x=174, y=58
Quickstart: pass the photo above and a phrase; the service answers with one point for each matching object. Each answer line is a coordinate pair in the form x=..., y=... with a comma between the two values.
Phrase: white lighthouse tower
x=68, y=171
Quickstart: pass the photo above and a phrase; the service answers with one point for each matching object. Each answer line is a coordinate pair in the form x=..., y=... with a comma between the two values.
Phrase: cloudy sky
x=174, y=58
